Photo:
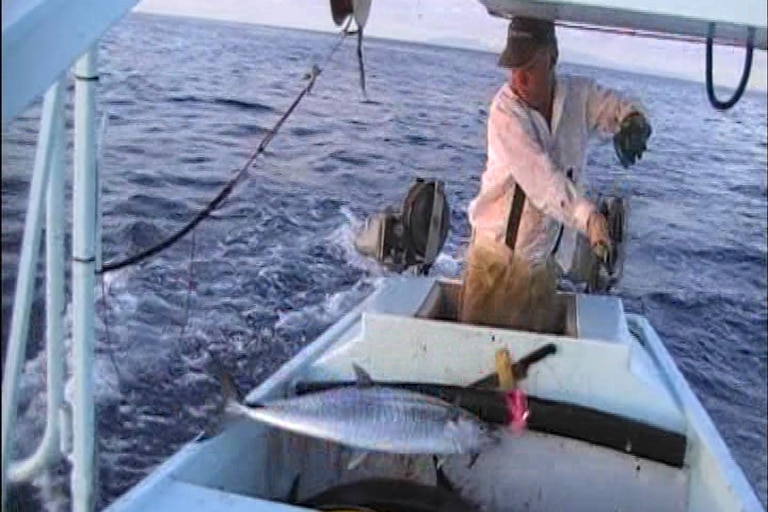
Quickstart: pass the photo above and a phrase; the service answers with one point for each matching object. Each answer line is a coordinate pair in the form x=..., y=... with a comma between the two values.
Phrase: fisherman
x=539, y=125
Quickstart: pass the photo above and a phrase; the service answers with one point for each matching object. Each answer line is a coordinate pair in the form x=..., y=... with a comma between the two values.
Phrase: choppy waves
x=187, y=102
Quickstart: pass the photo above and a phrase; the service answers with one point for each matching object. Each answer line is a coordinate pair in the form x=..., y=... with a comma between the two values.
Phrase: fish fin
x=230, y=395
x=229, y=390
x=472, y=459
x=442, y=480
x=356, y=459
x=455, y=412
x=364, y=380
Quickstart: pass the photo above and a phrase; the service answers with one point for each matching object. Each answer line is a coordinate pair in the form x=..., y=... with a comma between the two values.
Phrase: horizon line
x=434, y=43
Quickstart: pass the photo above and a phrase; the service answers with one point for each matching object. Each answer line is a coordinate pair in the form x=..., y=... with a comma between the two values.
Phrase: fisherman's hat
x=524, y=37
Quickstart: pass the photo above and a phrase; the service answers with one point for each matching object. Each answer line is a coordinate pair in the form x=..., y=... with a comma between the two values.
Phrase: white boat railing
x=48, y=179
x=30, y=249
x=55, y=306
x=83, y=282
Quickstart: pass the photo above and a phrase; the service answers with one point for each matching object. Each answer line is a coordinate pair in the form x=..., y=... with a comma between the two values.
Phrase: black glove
x=631, y=140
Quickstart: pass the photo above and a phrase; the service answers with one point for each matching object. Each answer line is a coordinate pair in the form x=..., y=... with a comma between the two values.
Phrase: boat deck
x=613, y=424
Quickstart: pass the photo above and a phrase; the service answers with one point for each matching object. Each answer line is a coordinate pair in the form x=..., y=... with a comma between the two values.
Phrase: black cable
x=224, y=193
x=725, y=105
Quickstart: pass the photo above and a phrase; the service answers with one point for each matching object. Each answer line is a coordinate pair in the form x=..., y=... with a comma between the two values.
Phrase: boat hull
x=607, y=362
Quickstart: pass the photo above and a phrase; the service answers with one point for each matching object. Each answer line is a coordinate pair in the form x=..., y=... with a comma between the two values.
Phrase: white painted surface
x=601, y=317
x=182, y=496
x=43, y=38
x=585, y=372
x=680, y=17
x=717, y=482
x=541, y=472
x=83, y=287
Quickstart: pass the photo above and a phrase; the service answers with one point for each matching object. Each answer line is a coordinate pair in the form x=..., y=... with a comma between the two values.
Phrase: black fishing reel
x=409, y=237
x=596, y=270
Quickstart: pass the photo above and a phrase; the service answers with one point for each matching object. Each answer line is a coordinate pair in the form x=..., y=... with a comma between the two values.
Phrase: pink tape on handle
x=517, y=410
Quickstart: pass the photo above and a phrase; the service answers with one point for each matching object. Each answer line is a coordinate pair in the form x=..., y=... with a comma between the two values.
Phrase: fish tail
x=228, y=405
x=232, y=398
x=229, y=392
x=442, y=479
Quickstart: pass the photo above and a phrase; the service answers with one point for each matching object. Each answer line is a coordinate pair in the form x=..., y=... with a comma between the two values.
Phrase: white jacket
x=522, y=150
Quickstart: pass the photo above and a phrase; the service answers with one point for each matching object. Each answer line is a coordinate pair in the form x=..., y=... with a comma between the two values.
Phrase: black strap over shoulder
x=515, y=214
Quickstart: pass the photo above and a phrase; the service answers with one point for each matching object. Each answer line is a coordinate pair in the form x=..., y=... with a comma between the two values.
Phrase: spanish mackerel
x=373, y=417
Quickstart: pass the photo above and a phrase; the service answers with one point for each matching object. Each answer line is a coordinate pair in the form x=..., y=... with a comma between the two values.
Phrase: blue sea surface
x=187, y=102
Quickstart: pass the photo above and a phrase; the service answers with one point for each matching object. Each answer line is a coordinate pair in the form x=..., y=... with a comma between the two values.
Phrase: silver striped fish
x=373, y=417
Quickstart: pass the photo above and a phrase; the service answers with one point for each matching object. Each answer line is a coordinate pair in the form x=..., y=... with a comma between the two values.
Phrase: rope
x=729, y=103
x=230, y=186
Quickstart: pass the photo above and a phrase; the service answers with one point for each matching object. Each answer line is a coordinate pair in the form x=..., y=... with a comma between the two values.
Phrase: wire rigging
x=214, y=204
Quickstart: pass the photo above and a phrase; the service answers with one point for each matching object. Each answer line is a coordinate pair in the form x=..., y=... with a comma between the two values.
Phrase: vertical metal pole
x=54, y=252
x=55, y=302
x=83, y=276
x=25, y=281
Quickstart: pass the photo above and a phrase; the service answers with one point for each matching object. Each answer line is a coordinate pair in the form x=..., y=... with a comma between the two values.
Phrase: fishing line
x=190, y=277
x=110, y=351
x=107, y=309
x=311, y=76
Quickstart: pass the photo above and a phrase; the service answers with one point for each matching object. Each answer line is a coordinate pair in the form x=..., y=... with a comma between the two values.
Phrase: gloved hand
x=630, y=141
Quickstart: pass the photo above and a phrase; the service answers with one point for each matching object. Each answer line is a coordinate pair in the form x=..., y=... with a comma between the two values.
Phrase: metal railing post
x=84, y=277
x=55, y=308
x=25, y=281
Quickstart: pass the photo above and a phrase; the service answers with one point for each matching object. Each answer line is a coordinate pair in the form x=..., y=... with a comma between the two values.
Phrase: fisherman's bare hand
x=599, y=240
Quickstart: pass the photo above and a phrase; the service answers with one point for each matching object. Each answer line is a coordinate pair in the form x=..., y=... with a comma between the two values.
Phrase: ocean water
x=188, y=101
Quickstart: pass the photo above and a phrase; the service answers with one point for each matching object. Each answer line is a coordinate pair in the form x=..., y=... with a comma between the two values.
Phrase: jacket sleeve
x=517, y=151
x=607, y=108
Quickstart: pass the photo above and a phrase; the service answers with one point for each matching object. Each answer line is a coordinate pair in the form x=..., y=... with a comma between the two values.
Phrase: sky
x=466, y=24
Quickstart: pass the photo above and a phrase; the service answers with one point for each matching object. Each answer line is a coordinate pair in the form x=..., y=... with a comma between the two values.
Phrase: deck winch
x=604, y=275
x=587, y=267
x=410, y=236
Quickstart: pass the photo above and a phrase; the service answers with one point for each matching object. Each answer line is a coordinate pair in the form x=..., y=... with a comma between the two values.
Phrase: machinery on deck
x=411, y=236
